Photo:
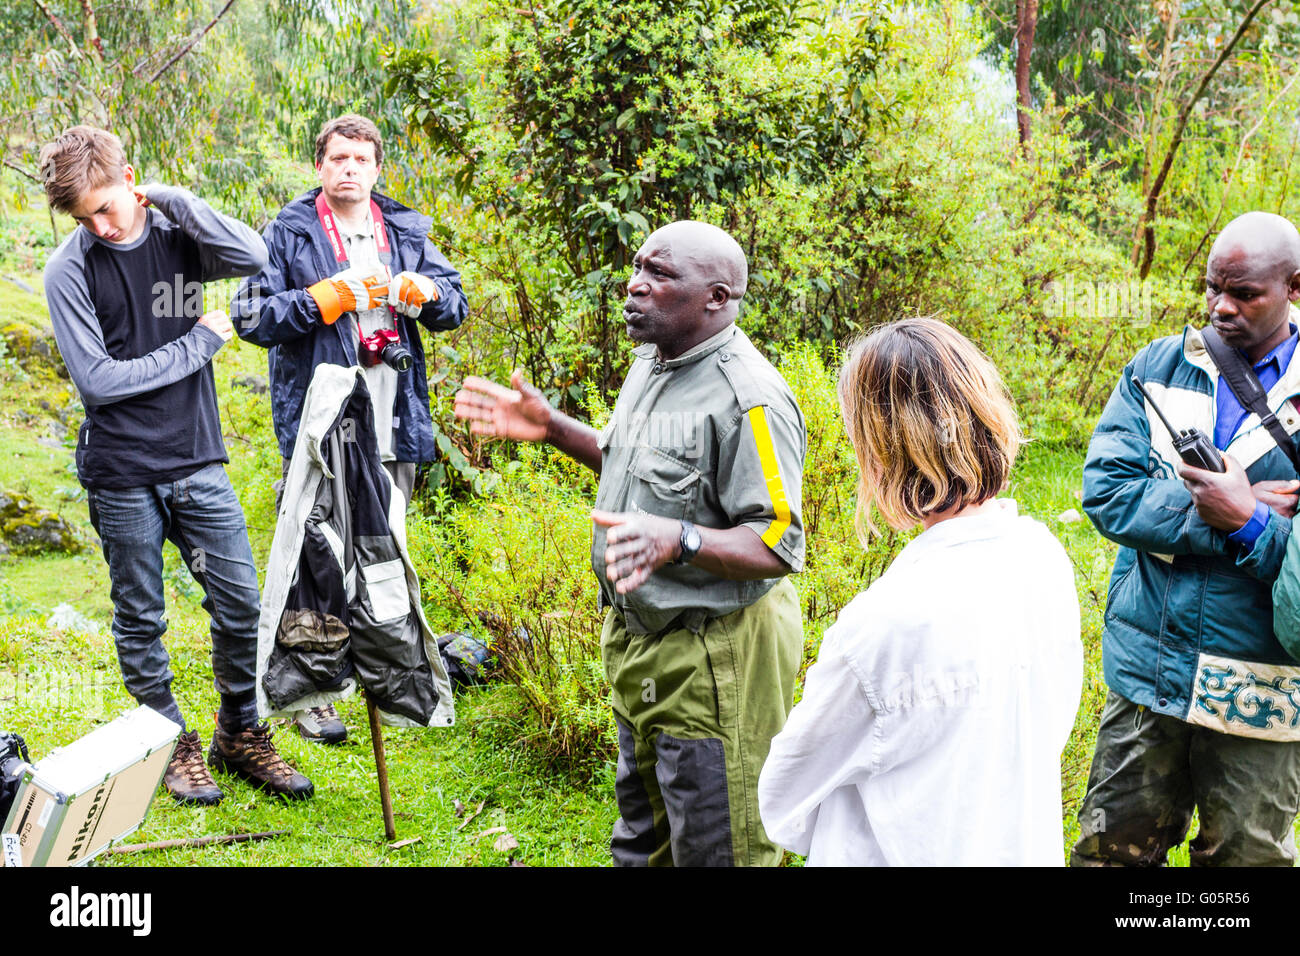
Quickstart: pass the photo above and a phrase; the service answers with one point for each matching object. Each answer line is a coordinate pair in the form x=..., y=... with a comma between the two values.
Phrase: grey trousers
x=1148, y=773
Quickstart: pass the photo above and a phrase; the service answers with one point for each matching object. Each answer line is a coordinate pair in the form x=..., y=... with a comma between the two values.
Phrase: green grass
x=69, y=685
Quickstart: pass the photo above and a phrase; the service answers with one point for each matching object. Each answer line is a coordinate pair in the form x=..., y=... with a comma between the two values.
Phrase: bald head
x=1251, y=279
x=686, y=284
x=1268, y=242
x=710, y=249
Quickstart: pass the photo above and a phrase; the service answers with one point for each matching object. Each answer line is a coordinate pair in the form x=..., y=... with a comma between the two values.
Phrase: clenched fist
x=218, y=321
x=409, y=291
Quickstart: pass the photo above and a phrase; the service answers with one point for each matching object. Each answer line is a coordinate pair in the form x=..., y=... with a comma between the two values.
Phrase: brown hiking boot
x=187, y=777
x=251, y=756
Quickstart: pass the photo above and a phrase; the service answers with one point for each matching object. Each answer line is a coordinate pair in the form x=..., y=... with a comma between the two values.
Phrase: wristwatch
x=690, y=542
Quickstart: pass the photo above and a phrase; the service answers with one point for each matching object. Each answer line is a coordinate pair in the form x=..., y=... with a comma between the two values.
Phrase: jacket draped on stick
x=341, y=603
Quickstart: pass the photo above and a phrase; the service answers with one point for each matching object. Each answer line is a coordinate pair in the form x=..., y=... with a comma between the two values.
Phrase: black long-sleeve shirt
x=125, y=318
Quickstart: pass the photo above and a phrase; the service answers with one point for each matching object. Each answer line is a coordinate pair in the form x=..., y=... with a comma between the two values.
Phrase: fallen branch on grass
x=197, y=841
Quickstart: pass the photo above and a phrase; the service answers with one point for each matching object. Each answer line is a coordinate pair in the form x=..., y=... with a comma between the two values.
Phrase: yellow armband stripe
x=772, y=476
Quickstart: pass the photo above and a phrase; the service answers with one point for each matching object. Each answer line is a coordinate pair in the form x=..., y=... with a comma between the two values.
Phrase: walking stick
x=377, y=740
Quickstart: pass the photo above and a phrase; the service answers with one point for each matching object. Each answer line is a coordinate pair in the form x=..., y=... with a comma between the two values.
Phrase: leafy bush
x=868, y=172
x=515, y=567
x=590, y=122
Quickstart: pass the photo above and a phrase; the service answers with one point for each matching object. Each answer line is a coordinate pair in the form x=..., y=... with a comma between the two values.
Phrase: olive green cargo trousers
x=696, y=715
x=1148, y=773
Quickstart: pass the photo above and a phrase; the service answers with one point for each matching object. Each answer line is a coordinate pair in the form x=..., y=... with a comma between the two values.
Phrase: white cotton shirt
x=931, y=727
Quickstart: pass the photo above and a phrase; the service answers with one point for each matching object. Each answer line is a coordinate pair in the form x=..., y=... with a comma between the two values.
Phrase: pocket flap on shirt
x=606, y=435
x=660, y=468
x=386, y=587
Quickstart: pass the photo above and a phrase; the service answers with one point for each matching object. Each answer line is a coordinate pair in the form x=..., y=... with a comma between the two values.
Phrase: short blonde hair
x=81, y=159
x=929, y=419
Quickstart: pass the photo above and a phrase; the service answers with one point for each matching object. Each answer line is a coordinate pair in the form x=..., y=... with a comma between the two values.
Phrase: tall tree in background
x=1128, y=62
x=1144, y=240
x=1026, y=23
x=155, y=78
x=589, y=120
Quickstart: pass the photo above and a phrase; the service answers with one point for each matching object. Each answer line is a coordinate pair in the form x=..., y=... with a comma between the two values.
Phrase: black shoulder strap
x=1245, y=385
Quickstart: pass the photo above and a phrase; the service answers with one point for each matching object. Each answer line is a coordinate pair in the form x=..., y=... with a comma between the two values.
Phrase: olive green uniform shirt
x=714, y=437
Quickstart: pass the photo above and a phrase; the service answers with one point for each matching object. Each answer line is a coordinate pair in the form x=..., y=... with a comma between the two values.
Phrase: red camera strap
x=326, y=217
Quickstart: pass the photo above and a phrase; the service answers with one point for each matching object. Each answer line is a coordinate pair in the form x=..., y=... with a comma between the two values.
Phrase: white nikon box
x=93, y=792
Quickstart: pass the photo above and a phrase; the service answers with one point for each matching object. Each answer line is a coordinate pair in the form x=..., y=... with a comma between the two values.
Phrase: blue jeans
x=201, y=515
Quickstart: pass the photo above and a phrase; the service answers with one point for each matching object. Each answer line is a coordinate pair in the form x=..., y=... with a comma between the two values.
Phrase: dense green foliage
x=589, y=121
x=226, y=97
x=1128, y=61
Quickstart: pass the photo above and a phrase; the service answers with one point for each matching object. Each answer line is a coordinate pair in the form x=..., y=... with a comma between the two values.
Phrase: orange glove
x=348, y=292
x=409, y=291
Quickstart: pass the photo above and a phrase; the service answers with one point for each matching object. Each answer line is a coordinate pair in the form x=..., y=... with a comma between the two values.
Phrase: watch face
x=690, y=544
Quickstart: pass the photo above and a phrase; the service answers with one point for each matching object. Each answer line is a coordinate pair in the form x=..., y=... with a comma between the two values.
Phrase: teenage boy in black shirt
x=125, y=301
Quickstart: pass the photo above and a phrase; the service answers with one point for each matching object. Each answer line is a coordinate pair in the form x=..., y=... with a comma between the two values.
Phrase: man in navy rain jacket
x=350, y=268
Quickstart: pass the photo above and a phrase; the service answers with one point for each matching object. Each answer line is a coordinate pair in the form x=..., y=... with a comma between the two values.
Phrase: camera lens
x=397, y=356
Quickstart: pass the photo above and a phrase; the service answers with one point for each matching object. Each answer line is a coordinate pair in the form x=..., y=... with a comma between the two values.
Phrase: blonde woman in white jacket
x=931, y=727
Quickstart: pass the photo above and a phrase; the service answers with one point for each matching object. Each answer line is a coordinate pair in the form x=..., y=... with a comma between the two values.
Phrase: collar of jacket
x=1288, y=384
x=710, y=345
x=1251, y=441
x=299, y=215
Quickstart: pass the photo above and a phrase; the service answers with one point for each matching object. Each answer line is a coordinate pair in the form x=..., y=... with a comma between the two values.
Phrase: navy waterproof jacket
x=1189, y=616
x=273, y=309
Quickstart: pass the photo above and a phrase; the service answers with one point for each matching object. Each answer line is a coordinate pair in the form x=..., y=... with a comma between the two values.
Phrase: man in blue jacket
x=351, y=277
x=1203, y=709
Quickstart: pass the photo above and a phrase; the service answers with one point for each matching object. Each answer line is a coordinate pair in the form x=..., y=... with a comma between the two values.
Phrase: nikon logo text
x=102, y=909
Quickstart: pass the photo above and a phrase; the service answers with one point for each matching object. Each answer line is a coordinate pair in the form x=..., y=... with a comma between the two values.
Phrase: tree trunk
x=1026, y=23
x=1144, y=253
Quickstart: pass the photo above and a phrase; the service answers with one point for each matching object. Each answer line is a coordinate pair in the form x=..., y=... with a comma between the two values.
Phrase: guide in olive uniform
x=702, y=668
x=697, y=524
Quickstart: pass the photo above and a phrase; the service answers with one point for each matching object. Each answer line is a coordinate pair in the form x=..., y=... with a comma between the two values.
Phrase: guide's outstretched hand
x=520, y=413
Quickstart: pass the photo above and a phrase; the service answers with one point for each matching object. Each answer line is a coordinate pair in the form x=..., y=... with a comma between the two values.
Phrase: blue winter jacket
x=274, y=310
x=1189, y=616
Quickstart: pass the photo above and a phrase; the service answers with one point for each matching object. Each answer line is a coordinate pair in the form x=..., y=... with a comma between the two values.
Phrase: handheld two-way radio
x=1192, y=444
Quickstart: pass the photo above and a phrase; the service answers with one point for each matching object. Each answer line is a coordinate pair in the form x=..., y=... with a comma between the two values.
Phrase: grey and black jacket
x=341, y=603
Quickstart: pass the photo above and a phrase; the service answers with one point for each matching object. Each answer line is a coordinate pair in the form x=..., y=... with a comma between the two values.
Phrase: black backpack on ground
x=13, y=754
x=466, y=658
